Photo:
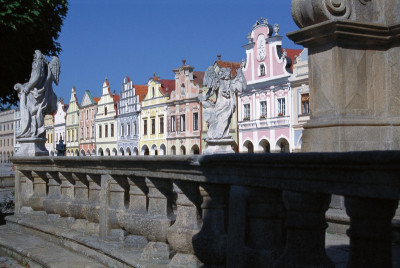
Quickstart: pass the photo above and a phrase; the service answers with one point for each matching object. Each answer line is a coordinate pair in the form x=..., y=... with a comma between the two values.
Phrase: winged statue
x=36, y=96
x=218, y=114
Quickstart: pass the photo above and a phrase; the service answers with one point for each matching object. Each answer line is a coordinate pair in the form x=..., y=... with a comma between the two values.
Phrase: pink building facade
x=184, y=112
x=87, y=113
x=264, y=106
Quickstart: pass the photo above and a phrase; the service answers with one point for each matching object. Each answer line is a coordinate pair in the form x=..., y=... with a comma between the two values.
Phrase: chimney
x=184, y=62
x=219, y=56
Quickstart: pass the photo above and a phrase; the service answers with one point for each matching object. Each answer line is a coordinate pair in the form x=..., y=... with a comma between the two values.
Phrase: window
x=262, y=69
x=112, y=130
x=153, y=126
x=281, y=107
x=82, y=133
x=12, y=141
x=105, y=110
x=87, y=114
x=161, y=125
x=129, y=129
x=305, y=103
x=145, y=127
x=183, y=123
x=152, y=90
x=134, y=129
x=263, y=109
x=106, y=131
x=246, y=111
x=195, y=121
x=73, y=135
x=122, y=130
x=173, y=124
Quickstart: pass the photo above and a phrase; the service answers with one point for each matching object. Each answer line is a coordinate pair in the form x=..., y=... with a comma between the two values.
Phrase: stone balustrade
x=265, y=210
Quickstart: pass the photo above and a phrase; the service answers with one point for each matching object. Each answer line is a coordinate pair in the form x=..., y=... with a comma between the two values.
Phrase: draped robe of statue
x=37, y=97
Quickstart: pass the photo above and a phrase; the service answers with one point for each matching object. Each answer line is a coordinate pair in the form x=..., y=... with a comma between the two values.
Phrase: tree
x=26, y=25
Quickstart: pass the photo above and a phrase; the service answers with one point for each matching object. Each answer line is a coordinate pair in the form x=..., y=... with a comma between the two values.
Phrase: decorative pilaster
x=370, y=231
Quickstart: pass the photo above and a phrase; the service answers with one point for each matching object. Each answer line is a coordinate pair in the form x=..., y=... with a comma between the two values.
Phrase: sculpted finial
x=276, y=28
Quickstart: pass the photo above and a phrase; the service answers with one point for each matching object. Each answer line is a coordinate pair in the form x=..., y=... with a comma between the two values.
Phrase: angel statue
x=218, y=114
x=37, y=98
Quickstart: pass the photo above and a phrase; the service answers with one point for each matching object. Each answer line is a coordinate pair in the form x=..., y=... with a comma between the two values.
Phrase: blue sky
x=136, y=38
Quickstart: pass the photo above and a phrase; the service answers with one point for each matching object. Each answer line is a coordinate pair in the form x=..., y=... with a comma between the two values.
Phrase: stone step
x=82, y=237
x=37, y=252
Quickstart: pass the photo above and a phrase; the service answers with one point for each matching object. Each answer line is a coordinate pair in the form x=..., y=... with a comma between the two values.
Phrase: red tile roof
x=229, y=64
x=96, y=100
x=198, y=78
x=141, y=90
x=291, y=53
x=167, y=83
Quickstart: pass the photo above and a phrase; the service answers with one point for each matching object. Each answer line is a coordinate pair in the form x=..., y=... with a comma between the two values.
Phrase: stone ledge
x=349, y=34
x=38, y=252
x=109, y=253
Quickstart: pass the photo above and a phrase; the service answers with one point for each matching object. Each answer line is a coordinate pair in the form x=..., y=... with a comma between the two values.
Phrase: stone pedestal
x=32, y=147
x=222, y=146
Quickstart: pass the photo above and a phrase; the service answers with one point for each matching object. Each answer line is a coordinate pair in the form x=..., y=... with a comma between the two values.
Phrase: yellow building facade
x=72, y=126
x=153, y=118
x=106, y=122
x=50, y=140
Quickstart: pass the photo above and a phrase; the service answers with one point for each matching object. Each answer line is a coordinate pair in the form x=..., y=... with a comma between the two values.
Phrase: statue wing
x=211, y=81
x=54, y=67
x=239, y=82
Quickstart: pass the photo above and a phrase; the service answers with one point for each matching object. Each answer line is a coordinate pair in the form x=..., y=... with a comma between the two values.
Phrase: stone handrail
x=232, y=210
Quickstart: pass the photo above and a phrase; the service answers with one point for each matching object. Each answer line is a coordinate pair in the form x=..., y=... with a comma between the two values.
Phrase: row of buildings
x=164, y=116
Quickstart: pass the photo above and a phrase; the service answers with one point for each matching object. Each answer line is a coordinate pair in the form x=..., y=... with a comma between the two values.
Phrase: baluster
x=81, y=193
x=67, y=194
x=54, y=195
x=26, y=190
x=210, y=243
x=39, y=190
x=305, y=226
x=91, y=210
x=137, y=195
x=370, y=231
x=186, y=226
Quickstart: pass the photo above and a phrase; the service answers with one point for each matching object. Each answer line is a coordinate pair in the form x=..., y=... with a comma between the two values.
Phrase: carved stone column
x=26, y=190
x=187, y=225
x=370, y=231
x=81, y=194
x=305, y=226
x=210, y=243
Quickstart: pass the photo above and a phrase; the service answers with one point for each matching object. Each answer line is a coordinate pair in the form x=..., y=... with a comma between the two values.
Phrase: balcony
x=265, y=122
x=221, y=210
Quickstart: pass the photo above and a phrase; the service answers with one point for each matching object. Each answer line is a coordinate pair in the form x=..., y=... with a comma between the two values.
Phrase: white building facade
x=128, y=120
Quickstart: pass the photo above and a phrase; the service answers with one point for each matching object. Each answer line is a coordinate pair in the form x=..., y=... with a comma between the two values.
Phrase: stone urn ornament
x=218, y=114
x=37, y=99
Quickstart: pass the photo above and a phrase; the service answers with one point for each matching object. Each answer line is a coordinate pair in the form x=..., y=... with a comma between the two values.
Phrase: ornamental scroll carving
x=309, y=12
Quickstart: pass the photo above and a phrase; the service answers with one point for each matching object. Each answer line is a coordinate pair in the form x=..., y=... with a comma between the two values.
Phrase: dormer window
x=261, y=69
x=153, y=91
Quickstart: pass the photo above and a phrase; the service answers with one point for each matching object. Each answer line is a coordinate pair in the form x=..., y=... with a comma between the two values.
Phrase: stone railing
x=229, y=210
